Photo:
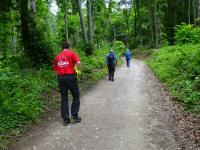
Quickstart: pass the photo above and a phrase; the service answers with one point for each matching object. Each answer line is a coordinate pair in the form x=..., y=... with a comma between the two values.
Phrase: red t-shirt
x=65, y=61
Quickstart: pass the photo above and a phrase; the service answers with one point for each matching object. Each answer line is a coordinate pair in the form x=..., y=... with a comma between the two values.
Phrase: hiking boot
x=66, y=122
x=75, y=119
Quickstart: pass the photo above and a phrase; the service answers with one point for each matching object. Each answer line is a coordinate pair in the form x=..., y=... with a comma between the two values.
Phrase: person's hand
x=78, y=72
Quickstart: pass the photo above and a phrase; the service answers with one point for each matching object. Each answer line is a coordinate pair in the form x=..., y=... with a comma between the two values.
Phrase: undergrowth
x=179, y=68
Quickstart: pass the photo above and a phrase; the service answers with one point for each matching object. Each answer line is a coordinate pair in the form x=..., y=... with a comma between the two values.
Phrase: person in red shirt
x=64, y=65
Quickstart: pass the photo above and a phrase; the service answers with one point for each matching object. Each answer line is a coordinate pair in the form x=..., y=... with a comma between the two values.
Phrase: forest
x=32, y=31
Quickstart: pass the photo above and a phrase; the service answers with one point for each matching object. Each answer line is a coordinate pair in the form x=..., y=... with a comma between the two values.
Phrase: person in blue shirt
x=128, y=57
x=111, y=60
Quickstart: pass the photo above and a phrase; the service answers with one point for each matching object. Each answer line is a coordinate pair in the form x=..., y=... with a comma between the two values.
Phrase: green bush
x=179, y=68
x=187, y=34
x=20, y=96
x=119, y=47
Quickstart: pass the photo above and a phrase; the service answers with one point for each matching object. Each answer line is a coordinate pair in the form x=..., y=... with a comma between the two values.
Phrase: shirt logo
x=63, y=63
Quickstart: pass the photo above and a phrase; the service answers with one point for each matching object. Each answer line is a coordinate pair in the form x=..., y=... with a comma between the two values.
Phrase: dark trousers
x=111, y=71
x=69, y=82
x=128, y=62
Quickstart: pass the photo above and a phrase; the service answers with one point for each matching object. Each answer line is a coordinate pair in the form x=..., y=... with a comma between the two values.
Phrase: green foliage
x=187, y=34
x=20, y=96
x=178, y=67
x=119, y=47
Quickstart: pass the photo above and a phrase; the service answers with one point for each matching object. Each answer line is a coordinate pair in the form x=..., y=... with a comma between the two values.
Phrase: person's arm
x=78, y=62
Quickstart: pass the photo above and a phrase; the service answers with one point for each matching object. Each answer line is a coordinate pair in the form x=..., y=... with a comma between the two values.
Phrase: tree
x=82, y=21
x=35, y=47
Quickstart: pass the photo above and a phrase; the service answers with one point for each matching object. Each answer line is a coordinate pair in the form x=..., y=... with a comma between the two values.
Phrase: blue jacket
x=128, y=54
x=114, y=61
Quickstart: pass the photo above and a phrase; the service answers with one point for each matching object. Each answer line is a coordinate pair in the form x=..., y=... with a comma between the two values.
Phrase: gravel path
x=126, y=114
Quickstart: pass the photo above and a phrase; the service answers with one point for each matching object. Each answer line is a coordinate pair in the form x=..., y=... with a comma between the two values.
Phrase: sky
x=54, y=7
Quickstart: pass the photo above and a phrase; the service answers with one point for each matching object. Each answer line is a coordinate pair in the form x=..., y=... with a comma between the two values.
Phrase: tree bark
x=152, y=23
x=127, y=25
x=198, y=14
x=135, y=26
x=24, y=22
x=194, y=9
x=89, y=11
x=14, y=41
x=189, y=8
x=66, y=26
x=82, y=21
x=4, y=50
x=33, y=8
x=107, y=22
x=156, y=25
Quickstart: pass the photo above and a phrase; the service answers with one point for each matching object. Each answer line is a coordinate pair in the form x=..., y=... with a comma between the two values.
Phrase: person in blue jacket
x=128, y=57
x=111, y=60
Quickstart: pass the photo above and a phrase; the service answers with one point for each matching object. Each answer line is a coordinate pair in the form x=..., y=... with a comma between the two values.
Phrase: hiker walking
x=67, y=80
x=128, y=57
x=111, y=60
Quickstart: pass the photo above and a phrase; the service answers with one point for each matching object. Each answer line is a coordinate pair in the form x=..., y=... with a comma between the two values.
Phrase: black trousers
x=69, y=82
x=111, y=71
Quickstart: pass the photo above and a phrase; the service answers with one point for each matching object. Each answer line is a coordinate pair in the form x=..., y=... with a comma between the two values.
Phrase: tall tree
x=82, y=21
x=189, y=9
x=89, y=12
x=34, y=44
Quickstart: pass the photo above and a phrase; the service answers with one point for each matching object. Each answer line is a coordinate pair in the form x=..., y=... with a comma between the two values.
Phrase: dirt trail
x=122, y=115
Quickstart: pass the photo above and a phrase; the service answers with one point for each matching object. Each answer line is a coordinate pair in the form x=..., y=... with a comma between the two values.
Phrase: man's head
x=112, y=51
x=65, y=45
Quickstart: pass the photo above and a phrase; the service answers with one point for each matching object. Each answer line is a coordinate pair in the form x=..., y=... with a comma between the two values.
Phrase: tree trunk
x=135, y=26
x=4, y=50
x=98, y=43
x=156, y=25
x=14, y=41
x=24, y=23
x=159, y=33
x=82, y=21
x=127, y=25
x=189, y=8
x=114, y=34
x=152, y=23
x=33, y=7
x=66, y=26
x=109, y=10
x=139, y=21
x=194, y=9
x=198, y=8
x=89, y=11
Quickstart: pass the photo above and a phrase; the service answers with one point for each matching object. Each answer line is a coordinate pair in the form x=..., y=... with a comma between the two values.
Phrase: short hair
x=65, y=45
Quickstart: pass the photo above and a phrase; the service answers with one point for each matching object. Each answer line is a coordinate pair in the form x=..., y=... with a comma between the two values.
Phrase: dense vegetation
x=178, y=66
